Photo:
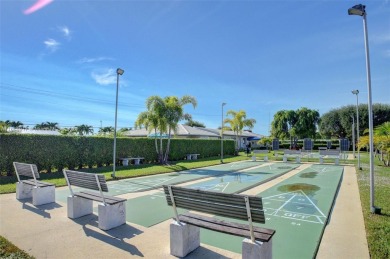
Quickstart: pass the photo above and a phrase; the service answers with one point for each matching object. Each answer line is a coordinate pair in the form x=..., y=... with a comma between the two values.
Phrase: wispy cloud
x=105, y=78
x=51, y=44
x=93, y=60
x=66, y=32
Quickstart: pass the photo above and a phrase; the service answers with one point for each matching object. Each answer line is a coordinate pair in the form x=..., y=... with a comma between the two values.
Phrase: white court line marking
x=223, y=190
x=285, y=204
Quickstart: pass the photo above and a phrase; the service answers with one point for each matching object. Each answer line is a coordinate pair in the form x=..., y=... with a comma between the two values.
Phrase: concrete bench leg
x=23, y=191
x=136, y=161
x=336, y=161
x=78, y=207
x=266, y=159
x=253, y=158
x=125, y=162
x=188, y=157
x=195, y=157
x=184, y=238
x=298, y=159
x=321, y=160
x=111, y=216
x=43, y=195
x=285, y=159
x=257, y=250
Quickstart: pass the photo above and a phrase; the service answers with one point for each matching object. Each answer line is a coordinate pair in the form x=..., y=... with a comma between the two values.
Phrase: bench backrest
x=260, y=151
x=331, y=152
x=86, y=180
x=28, y=170
x=220, y=204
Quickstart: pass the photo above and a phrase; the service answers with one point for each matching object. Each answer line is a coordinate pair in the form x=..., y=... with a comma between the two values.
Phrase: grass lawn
x=9, y=250
x=377, y=226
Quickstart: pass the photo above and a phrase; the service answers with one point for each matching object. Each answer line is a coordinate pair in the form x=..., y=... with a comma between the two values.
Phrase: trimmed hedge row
x=58, y=152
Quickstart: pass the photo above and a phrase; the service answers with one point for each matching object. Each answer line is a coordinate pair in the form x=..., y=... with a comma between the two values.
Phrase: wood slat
x=96, y=197
x=86, y=180
x=39, y=183
x=25, y=169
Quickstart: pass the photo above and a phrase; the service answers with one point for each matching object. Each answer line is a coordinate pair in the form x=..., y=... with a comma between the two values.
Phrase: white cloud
x=51, y=44
x=92, y=60
x=105, y=78
x=66, y=32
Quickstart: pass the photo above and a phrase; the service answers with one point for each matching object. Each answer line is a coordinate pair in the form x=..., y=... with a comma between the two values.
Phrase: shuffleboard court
x=297, y=208
x=240, y=181
x=156, y=181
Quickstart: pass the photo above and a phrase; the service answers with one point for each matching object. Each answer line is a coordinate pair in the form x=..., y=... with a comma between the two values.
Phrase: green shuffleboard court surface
x=297, y=208
x=139, y=184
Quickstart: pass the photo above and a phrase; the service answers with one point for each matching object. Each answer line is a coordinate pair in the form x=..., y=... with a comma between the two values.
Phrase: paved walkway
x=46, y=232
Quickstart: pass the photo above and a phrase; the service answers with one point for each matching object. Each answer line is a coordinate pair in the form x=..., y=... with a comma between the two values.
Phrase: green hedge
x=58, y=152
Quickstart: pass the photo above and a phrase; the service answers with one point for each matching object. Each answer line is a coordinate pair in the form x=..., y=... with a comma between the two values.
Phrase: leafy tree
x=106, y=130
x=163, y=116
x=84, y=129
x=238, y=122
x=3, y=127
x=282, y=123
x=68, y=131
x=306, y=123
x=47, y=126
x=338, y=122
x=193, y=123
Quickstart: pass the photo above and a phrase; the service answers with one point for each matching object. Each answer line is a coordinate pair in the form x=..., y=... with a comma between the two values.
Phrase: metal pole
x=357, y=128
x=116, y=112
x=353, y=135
x=223, y=104
x=370, y=119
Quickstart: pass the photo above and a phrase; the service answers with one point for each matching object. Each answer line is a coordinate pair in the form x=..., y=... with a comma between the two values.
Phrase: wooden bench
x=40, y=192
x=184, y=230
x=125, y=160
x=192, y=156
x=111, y=210
x=261, y=151
x=330, y=153
x=294, y=153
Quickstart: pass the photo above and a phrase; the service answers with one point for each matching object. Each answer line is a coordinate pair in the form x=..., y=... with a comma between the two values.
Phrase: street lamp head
x=120, y=71
x=357, y=10
x=355, y=92
x=223, y=104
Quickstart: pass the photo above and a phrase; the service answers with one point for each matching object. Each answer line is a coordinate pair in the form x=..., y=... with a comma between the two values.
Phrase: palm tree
x=163, y=116
x=238, y=122
x=47, y=126
x=84, y=129
x=106, y=130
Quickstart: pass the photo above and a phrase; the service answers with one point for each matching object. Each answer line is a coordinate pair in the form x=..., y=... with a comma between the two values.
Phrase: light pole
x=361, y=11
x=119, y=71
x=223, y=104
x=353, y=135
x=357, y=125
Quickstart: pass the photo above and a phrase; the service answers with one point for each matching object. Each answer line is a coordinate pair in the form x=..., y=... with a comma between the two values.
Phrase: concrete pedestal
x=253, y=158
x=337, y=161
x=298, y=159
x=321, y=160
x=184, y=238
x=111, y=216
x=125, y=162
x=23, y=191
x=78, y=207
x=257, y=250
x=43, y=195
x=285, y=159
x=266, y=159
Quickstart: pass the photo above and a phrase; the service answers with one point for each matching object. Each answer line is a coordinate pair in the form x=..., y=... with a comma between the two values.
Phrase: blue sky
x=58, y=63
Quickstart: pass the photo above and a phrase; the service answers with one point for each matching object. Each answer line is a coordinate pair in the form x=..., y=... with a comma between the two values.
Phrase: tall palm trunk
x=168, y=147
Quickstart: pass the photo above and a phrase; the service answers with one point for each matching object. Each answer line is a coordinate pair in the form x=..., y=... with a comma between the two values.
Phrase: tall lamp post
x=357, y=125
x=223, y=104
x=119, y=71
x=353, y=135
x=361, y=11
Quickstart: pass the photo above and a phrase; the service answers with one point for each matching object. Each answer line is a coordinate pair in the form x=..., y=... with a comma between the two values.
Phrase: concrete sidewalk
x=46, y=232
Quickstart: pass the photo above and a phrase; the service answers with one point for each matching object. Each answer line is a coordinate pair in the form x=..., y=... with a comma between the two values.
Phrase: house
x=185, y=131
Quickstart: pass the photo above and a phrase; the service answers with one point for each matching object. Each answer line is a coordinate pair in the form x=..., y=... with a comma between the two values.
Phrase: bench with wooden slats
x=29, y=187
x=111, y=210
x=236, y=206
x=94, y=182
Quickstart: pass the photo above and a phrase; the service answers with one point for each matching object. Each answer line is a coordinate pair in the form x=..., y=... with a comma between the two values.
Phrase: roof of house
x=185, y=130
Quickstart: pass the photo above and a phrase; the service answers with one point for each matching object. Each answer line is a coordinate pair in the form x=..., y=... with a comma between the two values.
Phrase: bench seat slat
x=96, y=197
x=39, y=183
x=214, y=224
x=86, y=180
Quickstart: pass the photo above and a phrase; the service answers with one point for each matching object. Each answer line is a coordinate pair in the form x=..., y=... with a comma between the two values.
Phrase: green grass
x=377, y=226
x=10, y=251
x=8, y=183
